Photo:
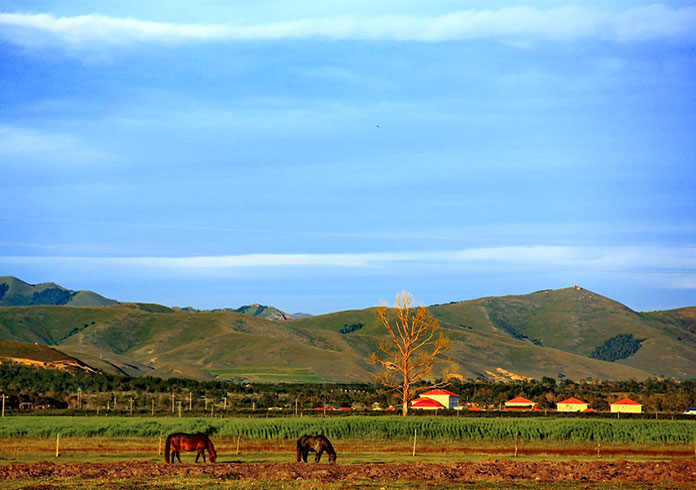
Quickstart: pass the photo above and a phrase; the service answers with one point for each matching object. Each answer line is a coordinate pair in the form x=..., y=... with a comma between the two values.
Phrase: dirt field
x=682, y=470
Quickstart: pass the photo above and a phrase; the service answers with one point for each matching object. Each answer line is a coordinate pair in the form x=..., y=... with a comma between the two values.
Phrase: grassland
x=130, y=446
x=268, y=374
x=365, y=427
x=536, y=335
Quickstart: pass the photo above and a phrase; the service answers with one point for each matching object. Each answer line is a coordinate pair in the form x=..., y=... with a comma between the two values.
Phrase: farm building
x=435, y=399
x=626, y=406
x=423, y=403
x=572, y=405
x=446, y=398
x=520, y=403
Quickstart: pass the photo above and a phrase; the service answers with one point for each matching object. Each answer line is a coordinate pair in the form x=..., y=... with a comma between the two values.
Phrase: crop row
x=381, y=428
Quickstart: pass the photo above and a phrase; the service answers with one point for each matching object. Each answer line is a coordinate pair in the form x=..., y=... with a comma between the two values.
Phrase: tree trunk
x=404, y=408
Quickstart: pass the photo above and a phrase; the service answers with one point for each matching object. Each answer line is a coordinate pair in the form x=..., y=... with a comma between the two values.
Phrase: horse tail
x=167, y=446
x=300, y=448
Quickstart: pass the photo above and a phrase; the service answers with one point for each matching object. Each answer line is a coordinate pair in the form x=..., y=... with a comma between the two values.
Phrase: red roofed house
x=426, y=404
x=520, y=403
x=626, y=406
x=572, y=405
x=441, y=399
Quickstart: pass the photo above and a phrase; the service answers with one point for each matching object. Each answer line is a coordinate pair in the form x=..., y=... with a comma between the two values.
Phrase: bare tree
x=413, y=350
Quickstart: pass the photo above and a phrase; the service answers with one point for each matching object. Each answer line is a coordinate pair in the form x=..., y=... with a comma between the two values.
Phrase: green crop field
x=365, y=427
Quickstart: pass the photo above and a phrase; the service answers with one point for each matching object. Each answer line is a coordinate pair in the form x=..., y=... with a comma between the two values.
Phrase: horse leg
x=305, y=453
x=318, y=456
x=178, y=455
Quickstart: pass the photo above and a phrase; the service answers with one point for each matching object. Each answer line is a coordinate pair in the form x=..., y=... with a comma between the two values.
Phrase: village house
x=436, y=399
x=572, y=405
x=626, y=406
x=520, y=403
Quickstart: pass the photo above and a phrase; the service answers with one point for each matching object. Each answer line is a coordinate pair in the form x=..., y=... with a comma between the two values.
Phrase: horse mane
x=329, y=446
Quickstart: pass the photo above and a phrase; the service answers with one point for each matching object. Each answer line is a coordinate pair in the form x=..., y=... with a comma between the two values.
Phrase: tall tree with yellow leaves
x=412, y=351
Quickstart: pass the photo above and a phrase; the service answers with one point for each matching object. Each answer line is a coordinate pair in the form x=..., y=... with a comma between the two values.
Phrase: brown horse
x=318, y=444
x=188, y=442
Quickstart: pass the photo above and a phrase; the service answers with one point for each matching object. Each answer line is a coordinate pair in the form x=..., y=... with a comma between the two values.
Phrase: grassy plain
x=375, y=428
x=359, y=441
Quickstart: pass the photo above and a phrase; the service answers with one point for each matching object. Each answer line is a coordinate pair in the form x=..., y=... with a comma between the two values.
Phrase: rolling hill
x=570, y=332
x=15, y=292
x=39, y=356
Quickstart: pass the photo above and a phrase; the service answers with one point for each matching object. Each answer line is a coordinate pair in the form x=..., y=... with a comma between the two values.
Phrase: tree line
x=58, y=389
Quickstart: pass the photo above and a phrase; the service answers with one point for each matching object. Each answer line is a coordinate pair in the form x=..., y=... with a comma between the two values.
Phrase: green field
x=366, y=427
x=359, y=440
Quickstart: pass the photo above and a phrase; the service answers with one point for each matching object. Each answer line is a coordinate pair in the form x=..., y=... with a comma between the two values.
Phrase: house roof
x=625, y=401
x=474, y=408
x=438, y=392
x=426, y=403
x=521, y=401
x=589, y=410
x=573, y=401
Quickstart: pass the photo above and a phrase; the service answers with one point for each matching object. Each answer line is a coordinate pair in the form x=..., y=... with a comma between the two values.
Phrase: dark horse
x=188, y=442
x=318, y=444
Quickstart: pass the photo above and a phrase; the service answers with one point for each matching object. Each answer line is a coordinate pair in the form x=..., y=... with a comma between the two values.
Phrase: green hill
x=39, y=356
x=548, y=333
x=15, y=292
x=262, y=311
x=578, y=321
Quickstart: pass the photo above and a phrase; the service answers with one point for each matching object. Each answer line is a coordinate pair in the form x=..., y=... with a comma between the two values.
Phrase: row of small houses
x=439, y=399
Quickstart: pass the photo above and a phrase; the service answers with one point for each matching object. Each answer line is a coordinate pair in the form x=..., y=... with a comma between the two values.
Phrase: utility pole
x=190, y=402
x=172, y=402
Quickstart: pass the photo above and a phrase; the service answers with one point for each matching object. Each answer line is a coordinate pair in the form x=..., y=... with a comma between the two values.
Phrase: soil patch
x=683, y=470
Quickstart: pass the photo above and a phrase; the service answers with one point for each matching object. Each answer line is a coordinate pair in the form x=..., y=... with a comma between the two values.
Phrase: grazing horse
x=188, y=442
x=318, y=444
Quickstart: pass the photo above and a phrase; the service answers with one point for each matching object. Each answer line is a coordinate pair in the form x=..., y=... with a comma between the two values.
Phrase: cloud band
x=646, y=23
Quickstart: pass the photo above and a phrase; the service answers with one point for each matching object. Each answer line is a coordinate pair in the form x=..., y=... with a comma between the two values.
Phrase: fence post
x=159, y=448
x=415, y=434
x=239, y=436
x=516, y=437
x=58, y=445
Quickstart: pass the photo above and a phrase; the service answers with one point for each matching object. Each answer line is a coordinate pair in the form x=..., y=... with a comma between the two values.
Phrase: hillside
x=548, y=333
x=39, y=356
x=263, y=311
x=15, y=292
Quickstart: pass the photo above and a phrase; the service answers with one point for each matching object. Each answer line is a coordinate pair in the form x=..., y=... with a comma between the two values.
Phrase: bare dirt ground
x=681, y=470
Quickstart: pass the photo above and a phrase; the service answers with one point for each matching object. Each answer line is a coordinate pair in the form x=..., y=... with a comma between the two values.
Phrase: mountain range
x=571, y=332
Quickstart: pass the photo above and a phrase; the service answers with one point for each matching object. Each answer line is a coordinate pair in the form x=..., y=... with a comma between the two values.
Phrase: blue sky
x=326, y=157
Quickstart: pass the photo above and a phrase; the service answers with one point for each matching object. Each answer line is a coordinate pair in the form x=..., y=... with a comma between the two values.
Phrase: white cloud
x=679, y=260
x=512, y=24
x=18, y=144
